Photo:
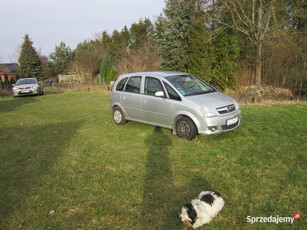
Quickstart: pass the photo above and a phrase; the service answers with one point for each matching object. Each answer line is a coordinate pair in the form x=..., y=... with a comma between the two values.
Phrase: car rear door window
x=134, y=85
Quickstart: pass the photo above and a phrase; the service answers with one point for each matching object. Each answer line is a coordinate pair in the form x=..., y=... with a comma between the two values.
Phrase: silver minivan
x=178, y=101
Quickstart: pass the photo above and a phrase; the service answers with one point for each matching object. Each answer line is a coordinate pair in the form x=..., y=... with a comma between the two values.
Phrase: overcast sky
x=48, y=22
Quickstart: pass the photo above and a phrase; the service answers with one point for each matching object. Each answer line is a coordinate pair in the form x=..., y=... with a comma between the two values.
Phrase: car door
x=155, y=110
x=130, y=98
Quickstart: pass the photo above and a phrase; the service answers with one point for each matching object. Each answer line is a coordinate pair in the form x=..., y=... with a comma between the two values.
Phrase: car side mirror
x=13, y=85
x=159, y=94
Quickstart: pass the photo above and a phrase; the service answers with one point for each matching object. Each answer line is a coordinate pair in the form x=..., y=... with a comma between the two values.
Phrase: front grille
x=28, y=92
x=25, y=88
x=227, y=127
x=226, y=109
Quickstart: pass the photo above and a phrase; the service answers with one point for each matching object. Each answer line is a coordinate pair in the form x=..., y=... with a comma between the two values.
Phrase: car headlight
x=34, y=87
x=208, y=112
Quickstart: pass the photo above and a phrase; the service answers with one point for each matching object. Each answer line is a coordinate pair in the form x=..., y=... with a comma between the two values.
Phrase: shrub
x=259, y=94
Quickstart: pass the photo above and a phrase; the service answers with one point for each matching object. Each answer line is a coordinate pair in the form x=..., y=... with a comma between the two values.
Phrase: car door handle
x=124, y=97
x=145, y=101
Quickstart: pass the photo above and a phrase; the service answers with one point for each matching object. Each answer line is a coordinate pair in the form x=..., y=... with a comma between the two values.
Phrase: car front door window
x=152, y=85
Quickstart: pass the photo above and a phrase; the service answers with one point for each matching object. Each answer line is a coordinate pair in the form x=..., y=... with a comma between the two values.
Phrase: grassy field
x=64, y=164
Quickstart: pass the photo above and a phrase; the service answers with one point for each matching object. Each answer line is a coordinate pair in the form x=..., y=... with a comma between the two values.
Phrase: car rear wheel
x=185, y=128
x=118, y=116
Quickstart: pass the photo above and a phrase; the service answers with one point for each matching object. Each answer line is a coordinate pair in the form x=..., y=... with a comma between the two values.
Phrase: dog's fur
x=202, y=210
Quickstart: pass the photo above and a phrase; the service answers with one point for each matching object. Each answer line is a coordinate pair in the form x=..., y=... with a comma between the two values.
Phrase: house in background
x=8, y=74
x=9, y=67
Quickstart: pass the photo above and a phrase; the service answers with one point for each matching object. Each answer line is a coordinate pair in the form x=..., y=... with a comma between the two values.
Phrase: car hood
x=25, y=86
x=212, y=100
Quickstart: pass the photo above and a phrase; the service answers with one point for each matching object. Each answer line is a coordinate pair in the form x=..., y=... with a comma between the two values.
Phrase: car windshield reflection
x=189, y=85
x=26, y=81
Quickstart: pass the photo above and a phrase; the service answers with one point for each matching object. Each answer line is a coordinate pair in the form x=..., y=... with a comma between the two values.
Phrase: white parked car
x=178, y=101
x=27, y=86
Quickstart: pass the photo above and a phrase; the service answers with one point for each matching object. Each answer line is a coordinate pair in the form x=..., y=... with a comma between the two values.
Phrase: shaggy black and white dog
x=202, y=210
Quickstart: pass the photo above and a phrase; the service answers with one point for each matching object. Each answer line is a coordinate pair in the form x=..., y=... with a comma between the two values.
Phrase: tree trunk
x=258, y=63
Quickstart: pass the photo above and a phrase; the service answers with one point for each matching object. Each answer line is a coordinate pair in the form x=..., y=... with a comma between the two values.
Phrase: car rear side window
x=172, y=93
x=121, y=84
x=134, y=85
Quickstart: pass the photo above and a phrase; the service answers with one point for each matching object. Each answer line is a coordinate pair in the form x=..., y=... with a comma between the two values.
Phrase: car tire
x=185, y=128
x=118, y=116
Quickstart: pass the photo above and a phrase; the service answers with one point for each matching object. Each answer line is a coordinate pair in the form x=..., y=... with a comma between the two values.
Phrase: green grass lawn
x=64, y=164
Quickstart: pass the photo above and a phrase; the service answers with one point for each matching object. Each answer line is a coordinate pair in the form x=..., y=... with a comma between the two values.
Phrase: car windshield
x=26, y=81
x=189, y=85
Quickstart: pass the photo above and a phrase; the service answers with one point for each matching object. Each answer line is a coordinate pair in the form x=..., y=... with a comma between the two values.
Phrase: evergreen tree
x=118, y=45
x=61, y=59
x=125, y=34
x=107, y=70
x=81, y=48
x=29, y=62
x=173, y=47
x=189, y=41
x=226, y=51
x=140, y=33
x=159, y=30
x=201, y=54
x=106, y=41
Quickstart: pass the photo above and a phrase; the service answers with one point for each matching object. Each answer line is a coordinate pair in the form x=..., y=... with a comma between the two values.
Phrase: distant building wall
x=68, y=78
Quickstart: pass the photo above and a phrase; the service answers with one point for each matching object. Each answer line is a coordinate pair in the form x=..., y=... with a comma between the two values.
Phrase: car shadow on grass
x=162, y=200
x=27, y=155
x=11, y=104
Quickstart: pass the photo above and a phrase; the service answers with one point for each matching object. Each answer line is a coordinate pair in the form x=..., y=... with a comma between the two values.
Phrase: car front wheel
x=118, y=116
x=185, y=128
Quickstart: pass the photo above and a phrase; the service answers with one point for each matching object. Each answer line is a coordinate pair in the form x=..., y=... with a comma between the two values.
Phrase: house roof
x=8, y=67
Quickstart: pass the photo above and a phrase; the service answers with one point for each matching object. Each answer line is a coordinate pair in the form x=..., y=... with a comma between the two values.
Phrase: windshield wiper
x=200, y=93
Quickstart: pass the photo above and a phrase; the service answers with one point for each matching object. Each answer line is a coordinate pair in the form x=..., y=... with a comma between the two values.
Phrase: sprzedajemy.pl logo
x=273, y=219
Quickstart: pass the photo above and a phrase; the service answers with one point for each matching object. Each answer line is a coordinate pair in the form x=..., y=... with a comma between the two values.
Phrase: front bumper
x=23, y=92
x=219, y=124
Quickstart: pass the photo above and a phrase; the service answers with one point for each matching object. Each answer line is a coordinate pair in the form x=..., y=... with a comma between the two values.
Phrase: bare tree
x=253, y=18
x=144, y=59
x=86, y=66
